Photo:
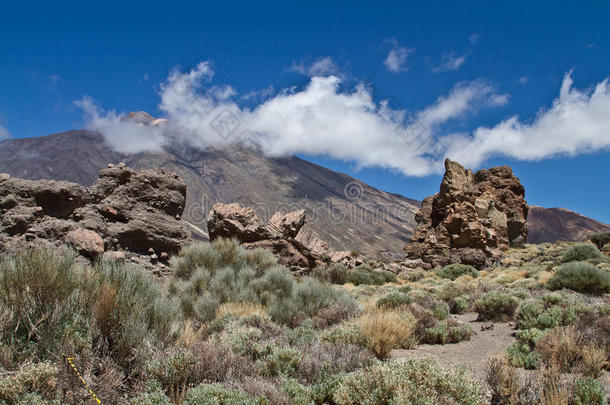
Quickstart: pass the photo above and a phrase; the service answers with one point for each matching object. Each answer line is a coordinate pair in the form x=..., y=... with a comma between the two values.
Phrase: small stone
x=154, y=258
x=114, y=255
x=121, y=165
x=4, y=176
x=86, y=242
x=110, y=165
x=164, y=256
x=178, y=217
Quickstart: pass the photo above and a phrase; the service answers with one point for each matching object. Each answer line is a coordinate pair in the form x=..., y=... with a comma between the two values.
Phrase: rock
x=287, y=225
x=123, y=208
x=312, y=241
x=472, y=219
x=114, y=255
x=235, y=221
x=278, y=236
x=85, y=242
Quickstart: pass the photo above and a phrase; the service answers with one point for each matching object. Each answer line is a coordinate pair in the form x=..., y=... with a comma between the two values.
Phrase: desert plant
x=600, y=239
x=47, y=298
x=496, y=305
x=394, y=300
x=448, y=331
x=580, y=253
x=216, y=394
x=387, y=329
x=588, y=391
x=582, y=277
x=365, y=275
x=408, y=382
x=456, y=270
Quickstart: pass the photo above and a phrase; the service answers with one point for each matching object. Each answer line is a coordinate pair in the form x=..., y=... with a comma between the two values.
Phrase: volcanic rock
x=279, y=235
x=123, y=209
x=472, y=219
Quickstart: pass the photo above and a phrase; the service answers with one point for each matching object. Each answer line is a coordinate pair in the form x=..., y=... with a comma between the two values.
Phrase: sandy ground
x=474, y=353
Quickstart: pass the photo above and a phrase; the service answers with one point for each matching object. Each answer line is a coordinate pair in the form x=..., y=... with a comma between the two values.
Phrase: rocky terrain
x=346, y=213
x=472, y=219
x=124, y=214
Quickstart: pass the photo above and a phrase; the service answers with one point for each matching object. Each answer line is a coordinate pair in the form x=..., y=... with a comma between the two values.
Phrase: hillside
x=554, y=224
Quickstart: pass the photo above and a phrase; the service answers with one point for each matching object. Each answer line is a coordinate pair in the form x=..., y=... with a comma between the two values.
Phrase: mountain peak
x=143, y=118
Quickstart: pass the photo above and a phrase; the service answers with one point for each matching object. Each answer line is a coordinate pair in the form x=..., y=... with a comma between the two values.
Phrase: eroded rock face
x=472, y=219
x=122, y=211
x=280, y=235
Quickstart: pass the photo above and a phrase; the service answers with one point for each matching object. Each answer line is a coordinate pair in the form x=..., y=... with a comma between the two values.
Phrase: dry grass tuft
x=387, y=329
x=242, y=309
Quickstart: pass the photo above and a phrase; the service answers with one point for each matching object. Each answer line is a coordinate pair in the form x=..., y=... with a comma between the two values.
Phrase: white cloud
x=450, y=61
x=321, y=67
x=4, y=134
x=578, y=122
x=524, y=80
x=474, y=39
x=122, y=135
x=320, y=119
x=396, y=61
x=325, y=119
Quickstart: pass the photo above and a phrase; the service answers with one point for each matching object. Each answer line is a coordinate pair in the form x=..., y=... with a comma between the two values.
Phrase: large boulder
x=123, y=211
x=279, y=235
x=472, y=219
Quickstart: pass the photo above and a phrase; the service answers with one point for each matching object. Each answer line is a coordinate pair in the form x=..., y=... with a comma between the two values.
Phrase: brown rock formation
x=123, y=210
x=279, y=235
x=472, y=218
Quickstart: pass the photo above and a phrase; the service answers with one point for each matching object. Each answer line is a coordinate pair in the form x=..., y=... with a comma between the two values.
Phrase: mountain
x=552, y=224
x=346, y=213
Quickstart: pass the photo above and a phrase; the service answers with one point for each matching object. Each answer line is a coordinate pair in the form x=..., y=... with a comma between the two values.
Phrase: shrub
x=582, y=277
x=456, y=270
x=448, y=332
x=394, y=300
x=47, y=297
x=523, y=352
x=600, y=239
x=211, y=275
x=334, y=273
x=282, y=361
x=461, y=305
x=580, y=253
x=528, y=313
x=216, y=394
x=505, y=385
x=408, y=382
x=496, y=305
x=588, y=391
x=131, y=309
x=152, y=398
x=387, y=329
x=365, y=275
x=40, y=378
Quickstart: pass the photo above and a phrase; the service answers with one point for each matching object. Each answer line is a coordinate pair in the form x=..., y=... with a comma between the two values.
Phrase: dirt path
x=473, y=353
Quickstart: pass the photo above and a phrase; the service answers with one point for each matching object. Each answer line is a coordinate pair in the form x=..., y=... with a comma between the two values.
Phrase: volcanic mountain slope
x=553, y=224
x=344, y=212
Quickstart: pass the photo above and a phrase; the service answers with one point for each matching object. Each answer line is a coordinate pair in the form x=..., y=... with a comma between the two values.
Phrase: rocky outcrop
x=123, y=211
x=472, y=219
x=280, y=235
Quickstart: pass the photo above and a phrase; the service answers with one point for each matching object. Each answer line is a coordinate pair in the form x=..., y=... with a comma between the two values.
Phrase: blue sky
x=514, y=56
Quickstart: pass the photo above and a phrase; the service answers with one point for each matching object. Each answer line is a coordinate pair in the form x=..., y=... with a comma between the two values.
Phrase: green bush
x=528, y=313
x=216, y=394
x=46, y=297
x=522, y=353
x=282, y=361
x=367, y=276
x=581, y=277
x=334, y=273
x=588, y=391
x=394, y=300
x=580, y=253
x=456, y=270
x=408, y=382
x=496, y=305
x=152, y=398
x=31, y=378
x=461, y=305
x=208, y=275
x=448, y=332
x=600, y=239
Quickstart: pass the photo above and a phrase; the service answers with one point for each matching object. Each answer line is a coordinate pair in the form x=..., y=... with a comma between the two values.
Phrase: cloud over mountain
x=325, y=118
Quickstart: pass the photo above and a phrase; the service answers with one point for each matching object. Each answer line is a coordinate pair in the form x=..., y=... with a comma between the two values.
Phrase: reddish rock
x=85, y=242
x=472, y=219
